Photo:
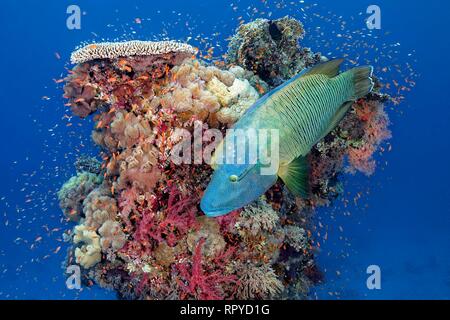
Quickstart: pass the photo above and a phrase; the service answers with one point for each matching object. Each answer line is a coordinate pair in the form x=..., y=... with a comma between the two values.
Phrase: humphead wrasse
x=302, y=111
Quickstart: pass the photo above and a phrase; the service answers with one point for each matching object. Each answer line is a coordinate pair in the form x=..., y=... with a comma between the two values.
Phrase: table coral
x=110, y=50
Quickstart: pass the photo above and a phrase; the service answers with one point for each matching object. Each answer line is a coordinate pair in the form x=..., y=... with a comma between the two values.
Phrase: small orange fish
x=143, y=78
x=260, y=88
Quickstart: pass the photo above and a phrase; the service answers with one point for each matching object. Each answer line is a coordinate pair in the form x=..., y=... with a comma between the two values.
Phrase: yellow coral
x=89, y=254
x=208, y=93
x=99, y=208
x=220, y=90
x=235, y=99
x=112, y=235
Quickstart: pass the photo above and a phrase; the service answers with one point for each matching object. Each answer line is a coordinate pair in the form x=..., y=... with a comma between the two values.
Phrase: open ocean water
x=402, y=225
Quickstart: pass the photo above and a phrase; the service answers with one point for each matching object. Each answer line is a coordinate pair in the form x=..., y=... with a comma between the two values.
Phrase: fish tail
x=361, y=78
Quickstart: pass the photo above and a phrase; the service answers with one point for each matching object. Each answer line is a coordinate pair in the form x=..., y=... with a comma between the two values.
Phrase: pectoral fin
x=295, y=176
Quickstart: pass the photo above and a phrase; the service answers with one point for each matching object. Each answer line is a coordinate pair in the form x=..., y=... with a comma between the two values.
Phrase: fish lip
x=215, y=212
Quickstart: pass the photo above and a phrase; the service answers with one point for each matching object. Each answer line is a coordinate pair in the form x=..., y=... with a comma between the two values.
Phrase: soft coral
x=169, y=225
x=180, y=216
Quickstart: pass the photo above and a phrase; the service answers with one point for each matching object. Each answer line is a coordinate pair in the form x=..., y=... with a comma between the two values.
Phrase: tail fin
x=362, y=81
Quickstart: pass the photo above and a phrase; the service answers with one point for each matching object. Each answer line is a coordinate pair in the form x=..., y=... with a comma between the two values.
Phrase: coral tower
x=139, y=228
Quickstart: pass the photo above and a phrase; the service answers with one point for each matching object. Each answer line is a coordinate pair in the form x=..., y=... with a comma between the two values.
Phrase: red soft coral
x=180, y=217
x=376, y=131
x=200, y=283
x=127, y=203
x=168, y=225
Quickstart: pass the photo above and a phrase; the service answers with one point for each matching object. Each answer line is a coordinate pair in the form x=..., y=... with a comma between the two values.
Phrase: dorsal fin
x=329, y=68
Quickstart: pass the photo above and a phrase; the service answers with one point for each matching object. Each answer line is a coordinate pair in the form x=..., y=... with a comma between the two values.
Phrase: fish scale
x=304, y=108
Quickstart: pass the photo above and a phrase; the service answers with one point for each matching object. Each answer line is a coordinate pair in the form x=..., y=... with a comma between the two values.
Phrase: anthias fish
x=303, y=111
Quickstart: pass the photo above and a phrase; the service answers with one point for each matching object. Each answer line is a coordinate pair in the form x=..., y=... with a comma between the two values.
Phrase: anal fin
x=296, y=176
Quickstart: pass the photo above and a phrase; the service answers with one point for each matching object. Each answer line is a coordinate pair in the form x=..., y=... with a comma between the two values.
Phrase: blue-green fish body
x=302, y=111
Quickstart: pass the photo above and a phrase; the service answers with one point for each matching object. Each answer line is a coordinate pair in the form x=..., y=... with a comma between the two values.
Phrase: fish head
x=234, y=186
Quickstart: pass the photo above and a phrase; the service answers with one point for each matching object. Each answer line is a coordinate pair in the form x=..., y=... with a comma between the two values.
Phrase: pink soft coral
x=127, y=204
x=180, y=217
x=361, y=158
x=376, y=131
x=200, y=283
x=169, y=224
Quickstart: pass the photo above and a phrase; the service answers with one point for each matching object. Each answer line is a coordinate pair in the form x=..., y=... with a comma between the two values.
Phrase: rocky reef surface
x=139, y=230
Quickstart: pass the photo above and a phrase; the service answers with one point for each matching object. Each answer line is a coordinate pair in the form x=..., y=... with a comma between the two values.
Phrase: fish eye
x=234, y=178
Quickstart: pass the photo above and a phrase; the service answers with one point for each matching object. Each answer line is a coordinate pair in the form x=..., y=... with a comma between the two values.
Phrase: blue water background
x=403, y=225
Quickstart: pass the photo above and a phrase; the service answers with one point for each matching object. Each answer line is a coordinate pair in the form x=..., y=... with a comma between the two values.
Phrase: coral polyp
x=139, y=229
